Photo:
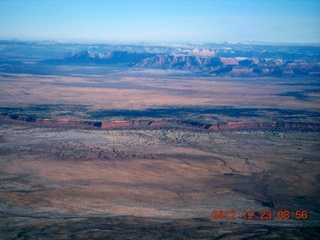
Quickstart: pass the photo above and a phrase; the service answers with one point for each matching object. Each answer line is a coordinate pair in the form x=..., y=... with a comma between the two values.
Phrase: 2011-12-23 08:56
x=259, y=215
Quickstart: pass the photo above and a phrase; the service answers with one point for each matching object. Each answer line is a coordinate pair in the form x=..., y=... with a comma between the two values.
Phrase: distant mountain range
x=217, y=59
x=203, y=62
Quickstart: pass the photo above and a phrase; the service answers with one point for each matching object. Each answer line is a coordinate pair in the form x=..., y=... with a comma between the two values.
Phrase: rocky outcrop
x=180, y=62
x=242, y=125
x=125, y=124
x=152, y=124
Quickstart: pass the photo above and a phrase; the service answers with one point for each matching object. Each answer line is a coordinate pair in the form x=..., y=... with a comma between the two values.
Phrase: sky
x=163, y=21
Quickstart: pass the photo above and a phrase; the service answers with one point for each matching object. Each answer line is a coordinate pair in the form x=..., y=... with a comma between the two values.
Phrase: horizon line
x=165, y=43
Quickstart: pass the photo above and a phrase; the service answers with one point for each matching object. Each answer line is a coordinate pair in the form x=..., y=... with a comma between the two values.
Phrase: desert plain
x=102, y=153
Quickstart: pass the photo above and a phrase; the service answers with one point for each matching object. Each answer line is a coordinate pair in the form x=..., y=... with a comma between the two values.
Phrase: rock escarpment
x=220, y=63
x=151, y=124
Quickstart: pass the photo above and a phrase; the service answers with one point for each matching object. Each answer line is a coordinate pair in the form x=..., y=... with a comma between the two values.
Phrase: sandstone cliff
x=151, y=124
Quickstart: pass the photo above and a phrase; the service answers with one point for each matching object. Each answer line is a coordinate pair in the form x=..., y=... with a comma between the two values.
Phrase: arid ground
x=72, y=168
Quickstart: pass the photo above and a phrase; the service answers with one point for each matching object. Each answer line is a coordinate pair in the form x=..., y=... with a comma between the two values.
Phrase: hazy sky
x=292, y=21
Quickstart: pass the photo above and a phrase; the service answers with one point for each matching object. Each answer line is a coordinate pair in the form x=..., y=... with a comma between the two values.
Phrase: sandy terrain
x=52, y=174
x=69, y=171
x=120, y=92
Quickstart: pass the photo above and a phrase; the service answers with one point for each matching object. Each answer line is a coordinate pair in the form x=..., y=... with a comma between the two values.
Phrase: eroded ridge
x=149, y=124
